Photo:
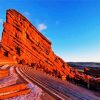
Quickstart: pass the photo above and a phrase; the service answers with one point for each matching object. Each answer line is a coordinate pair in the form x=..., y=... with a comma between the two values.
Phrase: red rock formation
x=3, y=73
x=23, y=42
x=14, y=90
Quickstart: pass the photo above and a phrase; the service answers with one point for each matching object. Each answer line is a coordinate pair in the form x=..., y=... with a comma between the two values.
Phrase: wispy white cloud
x=26, y=13
x=42, y=27
x=1, y=21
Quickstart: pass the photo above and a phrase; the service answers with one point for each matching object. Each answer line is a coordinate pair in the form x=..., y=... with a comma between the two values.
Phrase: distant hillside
x=81, y=65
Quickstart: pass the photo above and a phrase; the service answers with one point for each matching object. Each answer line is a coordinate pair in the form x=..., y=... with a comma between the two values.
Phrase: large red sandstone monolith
x=23, y=43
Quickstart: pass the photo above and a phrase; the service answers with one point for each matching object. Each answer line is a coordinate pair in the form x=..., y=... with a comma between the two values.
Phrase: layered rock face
x=22, y=42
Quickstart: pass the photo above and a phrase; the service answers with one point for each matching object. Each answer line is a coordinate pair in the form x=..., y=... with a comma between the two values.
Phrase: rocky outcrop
x=25, y=44
x=22, y=43
x=13, y=91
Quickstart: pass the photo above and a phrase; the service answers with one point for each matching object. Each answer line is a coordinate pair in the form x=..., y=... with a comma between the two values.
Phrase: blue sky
x=73, y=26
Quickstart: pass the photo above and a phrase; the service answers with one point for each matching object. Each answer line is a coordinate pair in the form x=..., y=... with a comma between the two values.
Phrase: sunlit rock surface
x=23, y=43
x=11, y=84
